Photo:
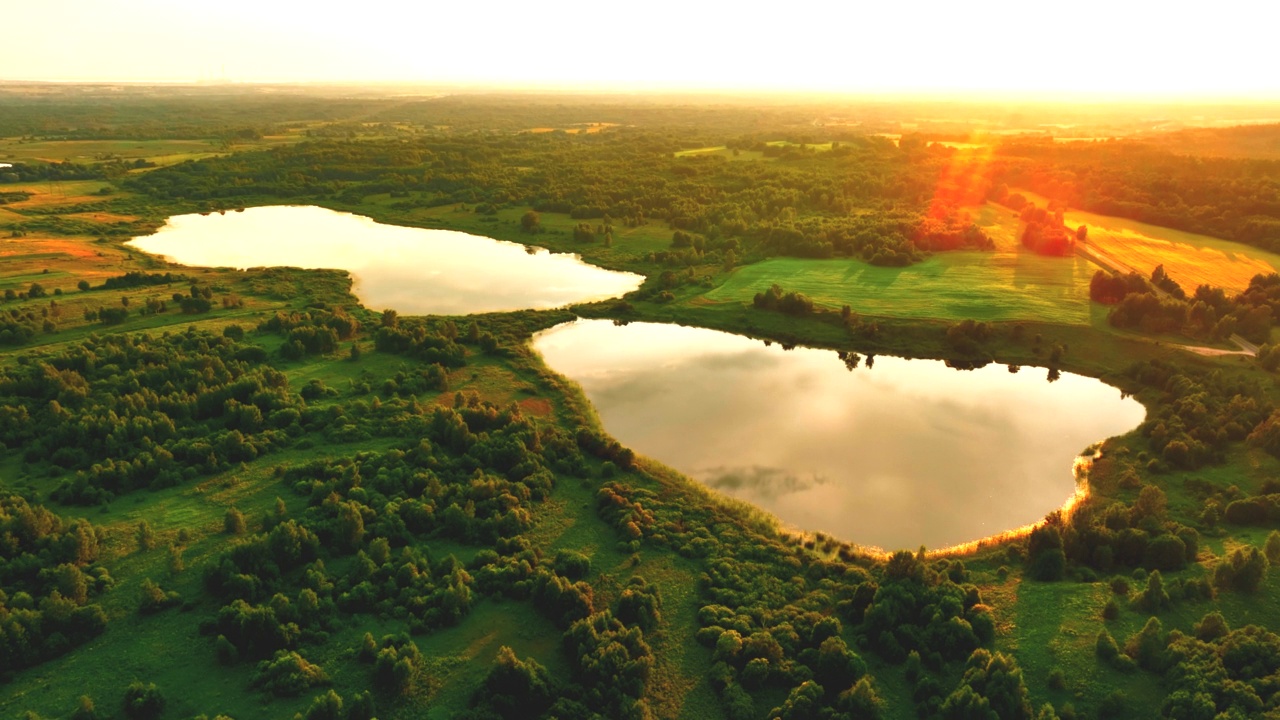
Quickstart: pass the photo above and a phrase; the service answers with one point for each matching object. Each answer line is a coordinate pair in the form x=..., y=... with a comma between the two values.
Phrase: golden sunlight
x=1085, y=49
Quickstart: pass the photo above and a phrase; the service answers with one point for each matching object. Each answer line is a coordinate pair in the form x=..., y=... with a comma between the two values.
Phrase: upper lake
x=895, y=453
x=412, y=270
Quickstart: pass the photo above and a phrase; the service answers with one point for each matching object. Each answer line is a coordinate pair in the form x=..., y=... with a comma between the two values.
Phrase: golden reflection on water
x=412, y=270
x=902, y=454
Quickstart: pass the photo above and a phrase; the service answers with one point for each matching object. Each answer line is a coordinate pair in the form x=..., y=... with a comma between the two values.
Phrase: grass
x=948, y=286
x=56, y=193
x=1009, y=283
x=160, y=152
x=91, y=151
x=724, y=152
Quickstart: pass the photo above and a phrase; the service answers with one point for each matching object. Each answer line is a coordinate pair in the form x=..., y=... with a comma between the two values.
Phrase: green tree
x=1154, y=598
x=145, y=535
x=233, y=522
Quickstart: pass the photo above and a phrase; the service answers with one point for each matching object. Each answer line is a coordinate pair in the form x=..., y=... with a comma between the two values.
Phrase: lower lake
x=412, y=270
x=894, y=453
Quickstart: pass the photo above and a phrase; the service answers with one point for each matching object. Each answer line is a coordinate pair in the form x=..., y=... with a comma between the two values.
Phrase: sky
x=1118, y=48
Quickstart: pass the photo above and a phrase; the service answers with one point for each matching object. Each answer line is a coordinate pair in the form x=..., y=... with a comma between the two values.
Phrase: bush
x=1105, y=646
x=288, y=674
x=325, y=707
x=516, y=688
x=1111, y=610
x=233, y=522
x=1211, y=627
x=142, y=702
x=153, y=598
x=571, y=564
x=85, y=710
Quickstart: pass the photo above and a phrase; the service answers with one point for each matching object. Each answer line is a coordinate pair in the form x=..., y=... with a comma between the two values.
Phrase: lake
x=894, y=454
x=412, y=270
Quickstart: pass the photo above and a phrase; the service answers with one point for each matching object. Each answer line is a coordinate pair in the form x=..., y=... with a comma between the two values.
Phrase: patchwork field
x=1006, y=284
x=45, y=194
x=724, y=152
x=160, y=152
x=91, y=151
x=589, y=128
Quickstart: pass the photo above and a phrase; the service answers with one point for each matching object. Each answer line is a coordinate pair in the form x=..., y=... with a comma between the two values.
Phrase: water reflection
x=895, y=453
x=412, y=270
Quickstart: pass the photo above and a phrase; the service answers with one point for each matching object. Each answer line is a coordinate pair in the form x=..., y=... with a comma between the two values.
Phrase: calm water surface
x=413, y=270
x=896, y=455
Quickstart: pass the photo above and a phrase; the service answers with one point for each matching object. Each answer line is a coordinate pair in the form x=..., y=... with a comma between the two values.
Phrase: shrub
x=142, y=702
x=288, y=674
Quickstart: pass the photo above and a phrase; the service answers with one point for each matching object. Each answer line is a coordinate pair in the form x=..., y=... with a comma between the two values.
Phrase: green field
x=724, y=152
x=160, y=152
x=1004, y=285
x=1009, y=283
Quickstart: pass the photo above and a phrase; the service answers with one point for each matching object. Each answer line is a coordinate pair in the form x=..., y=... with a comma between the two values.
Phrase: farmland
x=1009, y=283
x=1190, y=259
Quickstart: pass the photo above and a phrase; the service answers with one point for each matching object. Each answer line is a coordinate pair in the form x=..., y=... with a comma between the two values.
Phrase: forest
x=264, y=499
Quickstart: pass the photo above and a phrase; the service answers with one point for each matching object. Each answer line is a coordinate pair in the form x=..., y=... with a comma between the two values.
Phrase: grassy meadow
x=1007, y=284
x=160, y=152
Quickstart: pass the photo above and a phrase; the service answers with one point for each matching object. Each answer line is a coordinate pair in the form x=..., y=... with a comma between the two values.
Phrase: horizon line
x=1100, y=97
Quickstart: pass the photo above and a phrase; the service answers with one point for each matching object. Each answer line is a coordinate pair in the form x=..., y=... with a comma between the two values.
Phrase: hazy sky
x=1120, y=47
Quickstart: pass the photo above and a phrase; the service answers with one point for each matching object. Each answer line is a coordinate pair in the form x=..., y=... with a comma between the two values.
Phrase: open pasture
x=1009, y=283
x=92, y=151
x=948, y=286
x=159, y=152
x=722, y=151
x=55, y=192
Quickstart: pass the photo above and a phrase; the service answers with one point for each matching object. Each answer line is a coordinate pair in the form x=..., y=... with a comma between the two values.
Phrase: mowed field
x=55, y=192
x=91, y=151
x=1006, y=284
x=725, y=152
x=1190, y=259
x=160, y=152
